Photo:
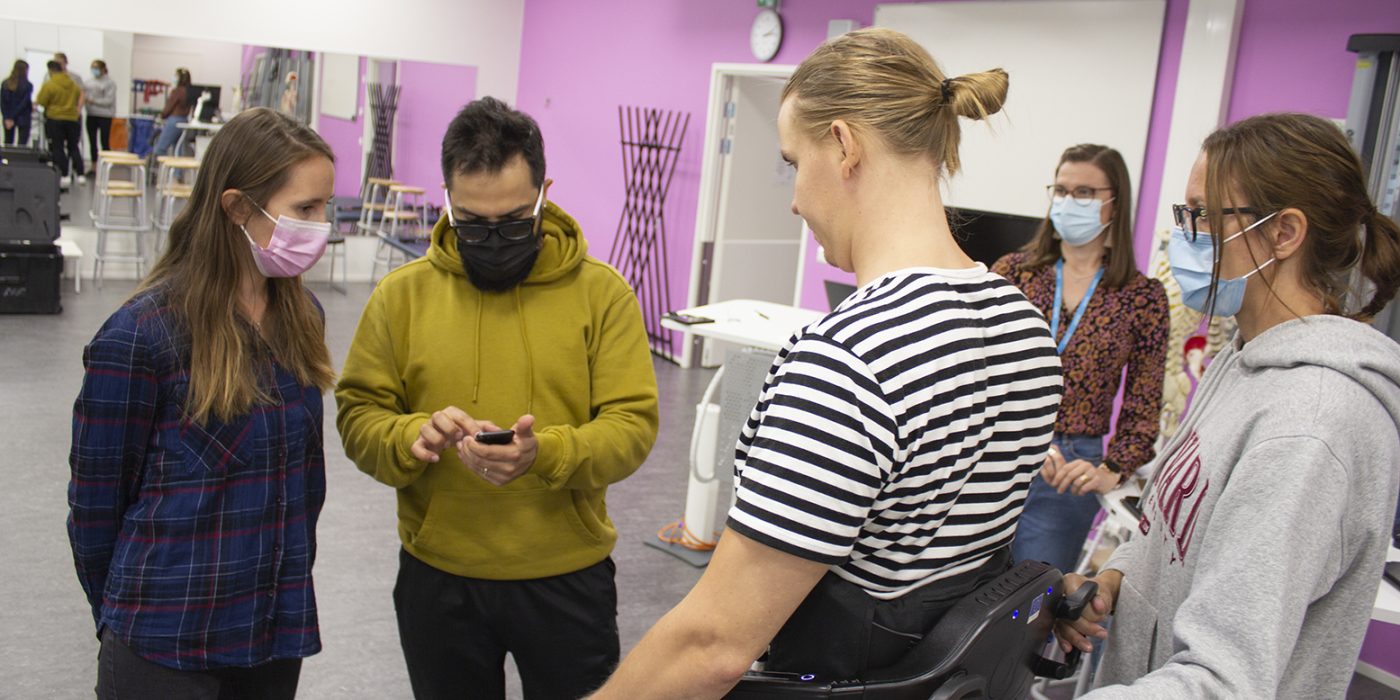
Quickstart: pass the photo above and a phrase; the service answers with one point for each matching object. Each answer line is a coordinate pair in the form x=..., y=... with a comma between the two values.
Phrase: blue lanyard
x=1059, y=300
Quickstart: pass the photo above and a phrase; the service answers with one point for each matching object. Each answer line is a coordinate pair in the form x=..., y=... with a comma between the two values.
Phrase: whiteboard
x=1082, y=71
x=340, y=84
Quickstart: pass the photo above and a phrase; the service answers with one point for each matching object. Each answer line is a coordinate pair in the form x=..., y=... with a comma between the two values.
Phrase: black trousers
x=17, y=135
x=456, y=632
x=839, y=631
x=122, y=675
x=65, y=144
x=98, y=126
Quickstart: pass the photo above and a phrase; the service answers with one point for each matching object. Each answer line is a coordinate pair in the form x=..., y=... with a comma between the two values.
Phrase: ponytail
x=971, y=96
x=882, y=81
x=1380, y=262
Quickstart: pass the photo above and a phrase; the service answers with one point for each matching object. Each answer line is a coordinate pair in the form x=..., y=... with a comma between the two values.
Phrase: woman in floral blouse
x=1106, y=317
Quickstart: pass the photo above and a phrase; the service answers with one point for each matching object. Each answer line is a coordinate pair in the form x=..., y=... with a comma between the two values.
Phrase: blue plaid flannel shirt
x=194, y=543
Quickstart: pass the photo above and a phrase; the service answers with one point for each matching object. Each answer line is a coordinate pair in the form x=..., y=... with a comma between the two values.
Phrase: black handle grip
x=1068, y=608
x=1072, y=606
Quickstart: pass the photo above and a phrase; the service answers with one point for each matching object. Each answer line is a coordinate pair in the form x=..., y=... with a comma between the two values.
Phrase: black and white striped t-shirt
x=897, y=437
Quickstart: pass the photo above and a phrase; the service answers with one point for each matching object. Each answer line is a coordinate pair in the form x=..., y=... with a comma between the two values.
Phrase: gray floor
x=47, y=649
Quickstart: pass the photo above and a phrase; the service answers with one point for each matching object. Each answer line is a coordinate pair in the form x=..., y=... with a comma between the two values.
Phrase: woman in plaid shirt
x=198, y=473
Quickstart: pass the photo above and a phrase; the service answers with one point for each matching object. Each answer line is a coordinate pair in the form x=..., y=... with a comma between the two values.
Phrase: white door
x=748, y=242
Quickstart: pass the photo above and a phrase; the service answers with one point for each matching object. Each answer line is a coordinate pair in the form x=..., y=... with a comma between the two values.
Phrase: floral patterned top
x=1122, y=328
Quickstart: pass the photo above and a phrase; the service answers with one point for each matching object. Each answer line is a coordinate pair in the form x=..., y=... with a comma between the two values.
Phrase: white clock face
x=766, y=35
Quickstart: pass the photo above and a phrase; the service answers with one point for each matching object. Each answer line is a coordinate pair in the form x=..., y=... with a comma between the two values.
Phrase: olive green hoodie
x=567, y=345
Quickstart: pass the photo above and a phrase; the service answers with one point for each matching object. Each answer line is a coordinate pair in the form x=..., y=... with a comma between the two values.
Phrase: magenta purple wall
x=666, y=63
x=343, y=136
x=1382, y=646
x=1293, y=57
x=580, y=61
x=575, y=71
x=432, y=94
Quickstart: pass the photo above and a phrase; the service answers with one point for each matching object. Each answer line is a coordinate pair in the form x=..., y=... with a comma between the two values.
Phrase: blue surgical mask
x=1192, y=264
x=1078, y=224
x=97, y=72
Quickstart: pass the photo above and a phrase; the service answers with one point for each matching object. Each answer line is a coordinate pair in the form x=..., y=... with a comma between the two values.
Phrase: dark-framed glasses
x=478, y=231
x=1081, y=195
x=1188, y=217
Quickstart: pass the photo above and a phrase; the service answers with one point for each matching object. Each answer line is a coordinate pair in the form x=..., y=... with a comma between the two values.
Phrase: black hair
x=54, y=66
x=485, y=135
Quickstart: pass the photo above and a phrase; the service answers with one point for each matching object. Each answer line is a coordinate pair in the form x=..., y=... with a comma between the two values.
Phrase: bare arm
x=703, y=646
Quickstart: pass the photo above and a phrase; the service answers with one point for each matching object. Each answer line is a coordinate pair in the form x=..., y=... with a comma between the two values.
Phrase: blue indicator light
x=1015, y=614
x=1049, y=590
x=807, y=676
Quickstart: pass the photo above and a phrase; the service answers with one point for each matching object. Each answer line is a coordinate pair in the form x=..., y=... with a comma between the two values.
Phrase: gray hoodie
x=101, y=94
x=1256, y=566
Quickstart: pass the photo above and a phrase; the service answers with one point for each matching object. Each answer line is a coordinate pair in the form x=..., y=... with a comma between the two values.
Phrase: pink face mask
x=296, y=245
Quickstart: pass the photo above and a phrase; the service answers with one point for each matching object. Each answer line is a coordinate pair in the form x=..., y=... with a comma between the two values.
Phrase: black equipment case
x=31, y=267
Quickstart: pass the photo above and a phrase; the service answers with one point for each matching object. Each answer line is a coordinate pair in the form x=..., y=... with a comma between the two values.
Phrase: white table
x=71, y=251
x=1388, y=597
x=750, y=323
x=756, y=324
x=203, y=133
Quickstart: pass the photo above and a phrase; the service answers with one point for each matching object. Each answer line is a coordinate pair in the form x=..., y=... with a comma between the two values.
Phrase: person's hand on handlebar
x=1075, y=634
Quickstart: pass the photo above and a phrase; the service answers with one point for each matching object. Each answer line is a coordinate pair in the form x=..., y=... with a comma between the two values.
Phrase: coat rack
x=651, y=146
x=383, y=103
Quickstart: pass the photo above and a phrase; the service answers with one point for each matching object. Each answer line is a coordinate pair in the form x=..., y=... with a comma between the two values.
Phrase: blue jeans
x=169, y=134
x=1053, y=526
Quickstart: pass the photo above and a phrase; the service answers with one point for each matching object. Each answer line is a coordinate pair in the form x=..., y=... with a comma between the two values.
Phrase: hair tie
x=947, y=89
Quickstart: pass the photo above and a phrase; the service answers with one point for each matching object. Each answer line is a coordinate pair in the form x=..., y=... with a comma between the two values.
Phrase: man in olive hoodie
x=60, y=97
x=505, y=323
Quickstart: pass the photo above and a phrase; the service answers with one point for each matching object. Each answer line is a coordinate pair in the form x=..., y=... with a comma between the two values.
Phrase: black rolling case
x=28, y=197
x=30, y=279
x=31, y=266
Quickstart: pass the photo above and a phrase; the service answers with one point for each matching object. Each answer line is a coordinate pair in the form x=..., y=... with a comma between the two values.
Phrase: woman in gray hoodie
x=1267, y=522
x=100, y=97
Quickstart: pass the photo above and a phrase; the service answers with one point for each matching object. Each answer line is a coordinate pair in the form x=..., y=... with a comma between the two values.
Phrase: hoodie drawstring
x=476, y=373
x=529, y=360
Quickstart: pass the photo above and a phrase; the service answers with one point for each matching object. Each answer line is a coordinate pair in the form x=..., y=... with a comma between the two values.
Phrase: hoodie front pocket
x=1132, y=640
x=499, y=532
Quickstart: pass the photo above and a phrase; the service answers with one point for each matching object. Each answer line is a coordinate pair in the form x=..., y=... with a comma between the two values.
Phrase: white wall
x=116, y=51
x=481, y=33
x=19, y=38
x=210, y=63
x=1007, y=162
x=81, y=45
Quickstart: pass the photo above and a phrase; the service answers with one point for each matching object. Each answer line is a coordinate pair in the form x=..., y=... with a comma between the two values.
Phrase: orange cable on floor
x=678, y=533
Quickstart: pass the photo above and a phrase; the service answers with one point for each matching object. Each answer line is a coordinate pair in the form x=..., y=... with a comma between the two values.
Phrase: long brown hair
x=18, y=74
x=1120, y=267
x=1278, y=161
x=208, y=258
x=882, y=80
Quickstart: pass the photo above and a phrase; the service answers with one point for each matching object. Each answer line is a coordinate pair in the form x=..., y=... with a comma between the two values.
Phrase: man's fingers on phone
x=447, y=427
x=462, y=423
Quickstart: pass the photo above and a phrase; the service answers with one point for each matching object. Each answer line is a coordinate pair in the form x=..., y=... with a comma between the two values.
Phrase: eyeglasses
x=1187, y=217
x=477, y=232
x=1081, y=195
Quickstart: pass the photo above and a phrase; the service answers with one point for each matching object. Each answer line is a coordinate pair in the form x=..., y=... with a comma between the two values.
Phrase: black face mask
x=496, y=265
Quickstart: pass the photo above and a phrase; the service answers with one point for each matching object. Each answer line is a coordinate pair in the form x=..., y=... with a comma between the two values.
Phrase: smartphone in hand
x=495, y=437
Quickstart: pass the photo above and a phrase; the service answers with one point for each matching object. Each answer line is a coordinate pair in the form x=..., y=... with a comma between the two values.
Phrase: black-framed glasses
x=1081, y=195
x=477, y=232
x=1187, y=217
